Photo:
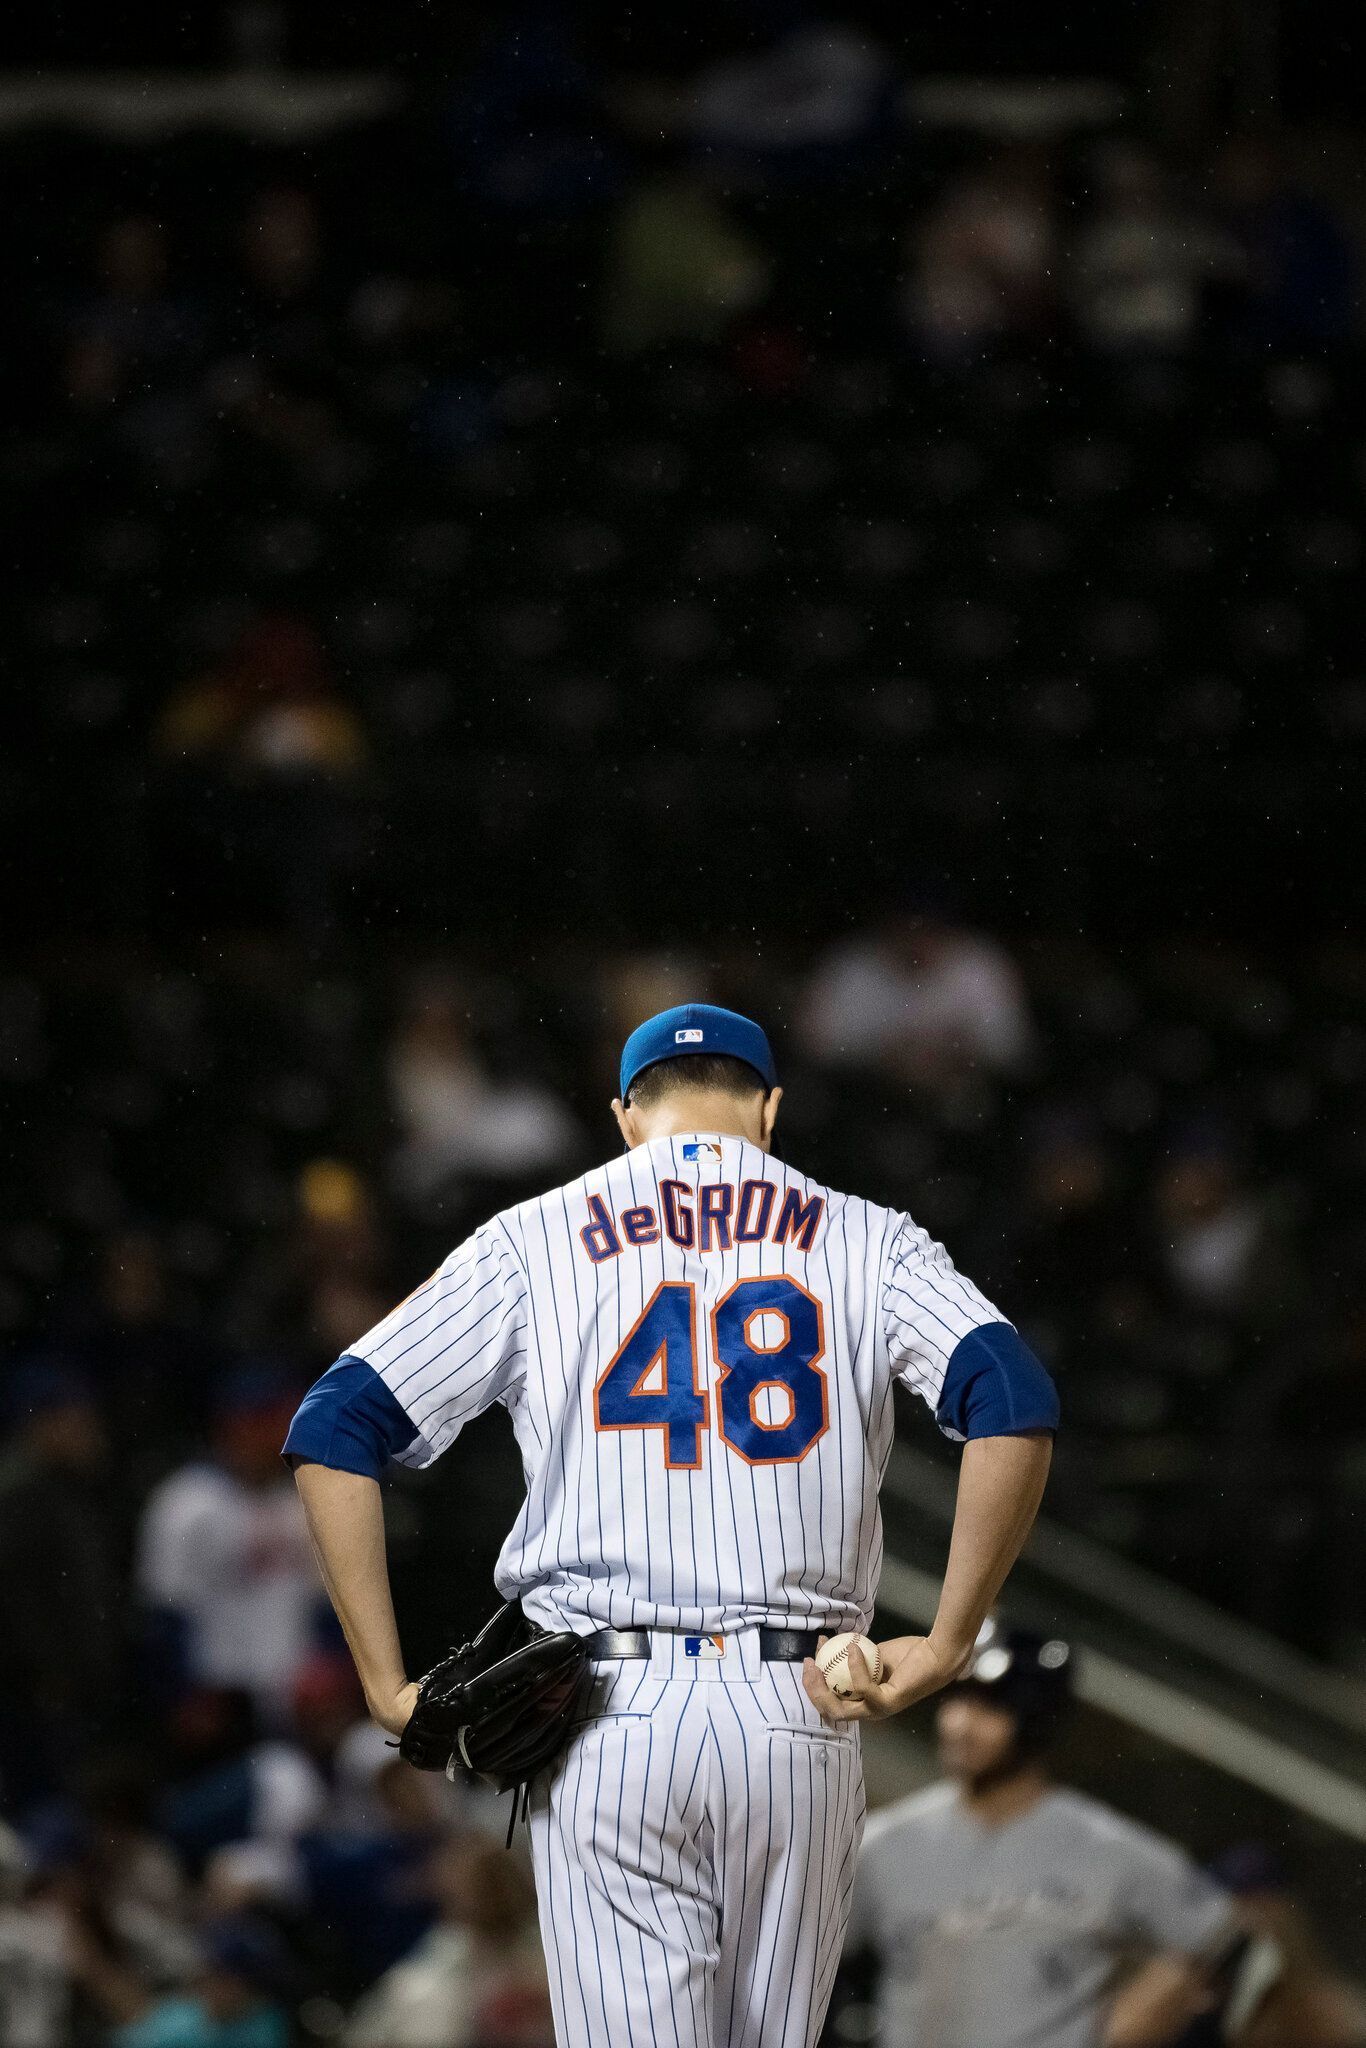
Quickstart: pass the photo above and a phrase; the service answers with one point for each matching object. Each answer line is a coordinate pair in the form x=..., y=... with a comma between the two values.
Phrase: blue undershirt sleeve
x=995, y=1386
x=349, y=1420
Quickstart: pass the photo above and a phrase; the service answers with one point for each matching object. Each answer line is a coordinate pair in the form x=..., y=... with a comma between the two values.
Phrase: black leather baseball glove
x=502, y=1705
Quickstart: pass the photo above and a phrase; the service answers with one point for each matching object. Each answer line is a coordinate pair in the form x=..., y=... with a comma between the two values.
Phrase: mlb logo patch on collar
x=705, y=1647
x=700, y=1148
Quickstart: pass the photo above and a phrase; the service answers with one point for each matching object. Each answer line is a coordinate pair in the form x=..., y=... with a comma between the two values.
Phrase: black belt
x=776, y=1645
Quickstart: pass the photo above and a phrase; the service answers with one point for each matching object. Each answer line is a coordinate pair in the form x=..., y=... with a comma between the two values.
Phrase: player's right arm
x=452, y=1349
x=988, y=1391
x=1000, y=1485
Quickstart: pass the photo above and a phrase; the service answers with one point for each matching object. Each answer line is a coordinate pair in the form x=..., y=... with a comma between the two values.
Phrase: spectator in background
x=477, y=1978
x=368, y=1868
x=1001, y=1907
x=326, y=1705
x=458, y=1121
x=324, y=1277
x=985, y=259
x=1066, y=1218
x=1218, y=1249
x=142, y=1357
x=534, y=159
x=231, y=1784
x=62, y=1597
x=1290, y=276
x=1309, y=2005
x=920, y=1000
x=236, y=2001
x=1143, y=260
x=281, y=245
x=637, y=985
x=271, y=710
x=132, y=332
x=133, y=1869
x=36, y=1989
x=678, y=268
x=523, y=125
x=817, y=102
x=84, y=1880
x=286, y=749
x=224, y=1559
x=283, y=312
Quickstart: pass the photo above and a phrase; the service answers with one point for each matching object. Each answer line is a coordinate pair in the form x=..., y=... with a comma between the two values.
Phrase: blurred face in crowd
x=212, y=1722
x=482, y=1888
x=327, y=1700
x=977, y=1739
x=69, y=1434
x=1069, y=1176
x=226, y=1997
x=1246, y=171
x=281, y=240
x=1195, y=1187
x=914, y=943
x=1131, y=180
x=133, y=1279
x=335, y=1234
x=133, y=258
x=410, y=1801
x=248, y=1439
x=437, y=1021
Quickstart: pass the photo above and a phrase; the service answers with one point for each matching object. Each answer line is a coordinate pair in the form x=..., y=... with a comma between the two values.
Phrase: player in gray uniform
x=1002, y=1909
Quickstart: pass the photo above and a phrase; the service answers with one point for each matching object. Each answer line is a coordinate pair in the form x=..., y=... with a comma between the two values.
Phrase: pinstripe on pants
x=694, y=1856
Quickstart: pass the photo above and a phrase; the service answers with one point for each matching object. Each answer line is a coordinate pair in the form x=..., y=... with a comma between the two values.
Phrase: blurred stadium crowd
x=698, y=415
x=249, y=1160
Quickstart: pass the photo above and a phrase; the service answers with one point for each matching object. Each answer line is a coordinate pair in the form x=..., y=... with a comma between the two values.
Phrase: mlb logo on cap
x=687, y=1038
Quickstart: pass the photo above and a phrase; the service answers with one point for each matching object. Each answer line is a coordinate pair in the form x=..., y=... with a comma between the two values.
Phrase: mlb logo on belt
x=704, y=1646
x=687, y=1038
x=701, y=1148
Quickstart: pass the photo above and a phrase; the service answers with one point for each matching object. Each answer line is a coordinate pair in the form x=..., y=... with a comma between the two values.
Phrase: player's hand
x=394, y=1711
x=912, y=1669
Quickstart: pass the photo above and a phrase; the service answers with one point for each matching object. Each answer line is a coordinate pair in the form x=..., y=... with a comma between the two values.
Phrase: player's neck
x=705, y=1116
x=1000, y=1800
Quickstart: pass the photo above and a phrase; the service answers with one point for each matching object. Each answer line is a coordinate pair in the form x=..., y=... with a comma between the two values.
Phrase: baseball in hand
x=832, y=1661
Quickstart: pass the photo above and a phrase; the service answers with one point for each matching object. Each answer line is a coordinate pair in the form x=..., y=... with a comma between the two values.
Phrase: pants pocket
x=841, y=1741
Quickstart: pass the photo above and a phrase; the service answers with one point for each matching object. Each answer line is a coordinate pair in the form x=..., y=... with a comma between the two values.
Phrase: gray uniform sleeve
x=874, y=1880
x=862, y=1931
x=1168, y=1900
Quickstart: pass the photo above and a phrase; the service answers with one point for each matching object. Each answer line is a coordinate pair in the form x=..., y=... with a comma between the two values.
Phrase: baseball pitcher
x=696, y=1346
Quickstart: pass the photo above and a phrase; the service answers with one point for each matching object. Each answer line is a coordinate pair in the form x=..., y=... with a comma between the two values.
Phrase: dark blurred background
x=517, y=516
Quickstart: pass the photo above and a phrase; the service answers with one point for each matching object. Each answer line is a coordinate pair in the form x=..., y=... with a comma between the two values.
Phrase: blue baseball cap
x=691, y=1029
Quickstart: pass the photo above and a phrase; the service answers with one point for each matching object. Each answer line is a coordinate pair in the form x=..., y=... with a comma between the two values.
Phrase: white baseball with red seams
x=832, y=1661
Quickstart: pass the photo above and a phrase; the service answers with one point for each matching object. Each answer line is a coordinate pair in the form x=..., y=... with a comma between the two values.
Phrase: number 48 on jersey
x=768, y=1336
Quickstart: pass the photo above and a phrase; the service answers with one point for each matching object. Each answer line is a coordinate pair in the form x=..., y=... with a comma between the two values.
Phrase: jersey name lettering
x=711, y=1218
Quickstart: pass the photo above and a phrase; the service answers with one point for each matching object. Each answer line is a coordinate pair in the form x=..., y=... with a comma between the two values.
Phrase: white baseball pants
x=694, y=1856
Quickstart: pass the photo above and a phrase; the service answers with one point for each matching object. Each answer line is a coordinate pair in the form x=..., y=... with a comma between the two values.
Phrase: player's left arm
x=451, y=1350
x=345, y=1513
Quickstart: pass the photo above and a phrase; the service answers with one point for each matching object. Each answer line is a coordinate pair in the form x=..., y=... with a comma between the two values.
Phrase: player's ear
x=626, y=1119
x=769, y=1116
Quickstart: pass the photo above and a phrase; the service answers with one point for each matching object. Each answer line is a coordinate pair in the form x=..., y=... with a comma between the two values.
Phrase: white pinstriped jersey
x=696, y=1346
